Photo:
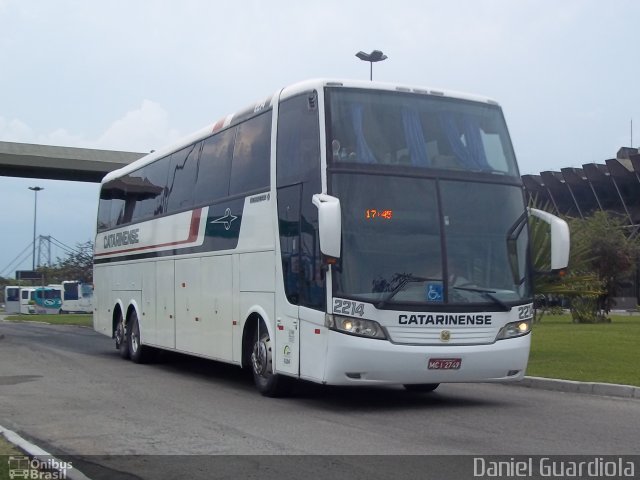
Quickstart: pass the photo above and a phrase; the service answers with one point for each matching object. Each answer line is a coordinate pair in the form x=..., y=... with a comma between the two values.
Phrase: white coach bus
x=342, y=232
x=12, y=299
x=77, y=297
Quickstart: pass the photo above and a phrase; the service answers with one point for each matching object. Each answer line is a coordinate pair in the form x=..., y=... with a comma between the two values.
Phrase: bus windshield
x=404, y=243
x=418, y=131
x=432, y=208
x=48, y=294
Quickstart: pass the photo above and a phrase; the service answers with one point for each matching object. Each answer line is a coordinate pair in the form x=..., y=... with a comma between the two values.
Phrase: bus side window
x=111, y=206
x=214, y=168
x=117, y=212
x=182, y=178
x=289, y=227
x=251, y=154
x=71, y=291
x=104, y=213
x=152, y=180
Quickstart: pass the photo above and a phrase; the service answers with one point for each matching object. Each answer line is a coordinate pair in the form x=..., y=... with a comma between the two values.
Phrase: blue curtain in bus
x=363, y=152
x=471, y=151
x=474, y=142
x=414, y=136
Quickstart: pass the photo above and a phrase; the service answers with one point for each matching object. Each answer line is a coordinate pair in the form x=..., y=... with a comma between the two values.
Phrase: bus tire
x=120, y=335
x=267, y=383
x=421, y=387
x=138, y=352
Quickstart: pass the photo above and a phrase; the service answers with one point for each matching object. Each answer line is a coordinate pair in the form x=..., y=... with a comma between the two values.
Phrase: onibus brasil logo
x=48, y=468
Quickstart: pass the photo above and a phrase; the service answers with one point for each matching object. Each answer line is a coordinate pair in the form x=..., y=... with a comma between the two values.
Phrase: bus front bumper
x=355, y=360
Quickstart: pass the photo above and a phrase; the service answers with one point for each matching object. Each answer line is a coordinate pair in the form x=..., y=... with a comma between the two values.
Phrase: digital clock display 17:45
x=372, y=213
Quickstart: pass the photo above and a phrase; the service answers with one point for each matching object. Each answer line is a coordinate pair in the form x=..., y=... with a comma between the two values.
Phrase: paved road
x=67, y=389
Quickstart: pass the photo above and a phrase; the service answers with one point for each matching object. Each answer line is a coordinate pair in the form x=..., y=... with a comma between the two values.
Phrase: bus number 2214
x=347, y=307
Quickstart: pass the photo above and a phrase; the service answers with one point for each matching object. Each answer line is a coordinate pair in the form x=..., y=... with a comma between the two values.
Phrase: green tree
x=578, y=281
x=78, y=265
x=3, y=283
x=612, y=255
x=602, y=256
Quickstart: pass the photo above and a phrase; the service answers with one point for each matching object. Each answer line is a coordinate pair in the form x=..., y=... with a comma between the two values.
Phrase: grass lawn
x=75, y=319
x=7, y=450
x=605, y=352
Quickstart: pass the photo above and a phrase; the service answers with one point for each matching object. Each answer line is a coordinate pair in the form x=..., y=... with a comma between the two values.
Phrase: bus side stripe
x=194, y=230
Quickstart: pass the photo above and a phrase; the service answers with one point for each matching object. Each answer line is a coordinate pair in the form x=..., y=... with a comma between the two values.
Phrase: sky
x=136, y=75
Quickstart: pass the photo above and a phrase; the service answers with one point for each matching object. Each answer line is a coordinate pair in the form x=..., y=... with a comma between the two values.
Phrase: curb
x=43, y=456
x=571, y=386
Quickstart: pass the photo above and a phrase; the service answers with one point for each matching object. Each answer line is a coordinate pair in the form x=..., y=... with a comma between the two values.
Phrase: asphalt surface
x=67, y=390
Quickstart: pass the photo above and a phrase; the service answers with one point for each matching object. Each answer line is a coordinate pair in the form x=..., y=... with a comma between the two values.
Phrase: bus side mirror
x=560, y=238
x=329, y=224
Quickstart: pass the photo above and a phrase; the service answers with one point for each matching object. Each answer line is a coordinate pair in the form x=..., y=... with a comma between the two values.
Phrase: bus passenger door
x=287, y=316
x=297, y=179
x=288, y=340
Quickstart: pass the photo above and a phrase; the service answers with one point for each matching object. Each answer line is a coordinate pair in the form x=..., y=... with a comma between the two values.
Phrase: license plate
x=445, y=363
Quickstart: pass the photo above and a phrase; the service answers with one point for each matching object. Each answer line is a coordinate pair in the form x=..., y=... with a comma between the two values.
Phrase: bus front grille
x=442, y=335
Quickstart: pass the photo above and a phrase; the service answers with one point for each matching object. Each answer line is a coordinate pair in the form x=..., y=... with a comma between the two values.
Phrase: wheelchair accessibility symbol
x=434, y=292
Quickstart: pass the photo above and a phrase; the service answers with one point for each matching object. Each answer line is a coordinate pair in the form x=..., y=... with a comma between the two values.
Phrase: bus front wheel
x=267, y=383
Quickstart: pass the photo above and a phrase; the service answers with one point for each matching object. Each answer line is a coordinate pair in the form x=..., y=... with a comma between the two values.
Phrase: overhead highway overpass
x=60, y=163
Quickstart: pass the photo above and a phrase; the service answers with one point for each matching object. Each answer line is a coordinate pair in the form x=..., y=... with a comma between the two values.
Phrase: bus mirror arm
x=332, y=262
x=329, y=224
x=560, y=238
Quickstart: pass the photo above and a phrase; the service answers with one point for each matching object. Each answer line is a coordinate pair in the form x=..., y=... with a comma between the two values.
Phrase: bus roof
x=307, y=85
x=284, y=93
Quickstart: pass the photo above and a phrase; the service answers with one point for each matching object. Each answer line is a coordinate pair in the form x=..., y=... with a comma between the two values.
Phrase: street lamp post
x=35, y=214
x=375, y=56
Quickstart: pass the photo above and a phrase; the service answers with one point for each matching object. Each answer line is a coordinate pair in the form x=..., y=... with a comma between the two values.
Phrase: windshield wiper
x=405, y=279
x=512, y=239
x=487, y=294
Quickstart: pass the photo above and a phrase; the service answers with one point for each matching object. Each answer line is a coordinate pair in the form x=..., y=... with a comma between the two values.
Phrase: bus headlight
x=514, y=329
x=355, y=326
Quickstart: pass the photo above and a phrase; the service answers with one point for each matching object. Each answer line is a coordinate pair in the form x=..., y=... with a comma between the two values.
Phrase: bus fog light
x=514, y=329
x=355, y=326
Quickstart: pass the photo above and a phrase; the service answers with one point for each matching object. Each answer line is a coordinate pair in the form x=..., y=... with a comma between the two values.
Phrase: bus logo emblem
x=226, y=220
x=445, y=335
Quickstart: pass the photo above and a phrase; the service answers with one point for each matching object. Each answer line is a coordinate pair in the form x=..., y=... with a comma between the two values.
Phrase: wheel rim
x=135, y=337
x=119, y=333
x=261, y=357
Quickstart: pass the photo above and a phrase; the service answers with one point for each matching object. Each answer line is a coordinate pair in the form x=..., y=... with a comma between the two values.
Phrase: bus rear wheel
x=120, y=337
x=267, y=383
x=422, y=387
x=138, y=352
